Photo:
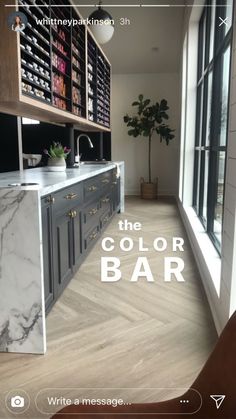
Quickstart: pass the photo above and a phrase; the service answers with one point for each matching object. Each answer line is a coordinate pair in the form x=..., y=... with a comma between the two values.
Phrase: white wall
x=134, y=151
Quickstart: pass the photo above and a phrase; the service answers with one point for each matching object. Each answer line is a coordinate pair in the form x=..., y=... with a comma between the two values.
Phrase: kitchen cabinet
x=76, y=238
x=73, y=219
x=67, y=246
x=115, y=192
x=105, y=218
x=98, y=209
x=41, y=199
x=66, y=228
x=90, y=237
x=90, y=215
x=62, y=251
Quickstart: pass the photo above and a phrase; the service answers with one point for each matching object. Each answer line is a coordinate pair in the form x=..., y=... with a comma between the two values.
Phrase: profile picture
x=17, y=21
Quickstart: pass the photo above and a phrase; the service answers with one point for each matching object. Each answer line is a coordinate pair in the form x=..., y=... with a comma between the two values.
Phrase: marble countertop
x=48, y=182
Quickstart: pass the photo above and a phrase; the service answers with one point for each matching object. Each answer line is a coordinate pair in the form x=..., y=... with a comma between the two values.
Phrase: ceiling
x=131, y=48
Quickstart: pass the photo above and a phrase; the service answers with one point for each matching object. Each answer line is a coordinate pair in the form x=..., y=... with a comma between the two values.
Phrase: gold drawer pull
x=93, y=236
x=105, y=181
x=50, y=199
x=71, y=196
x=72, y=214
x=114, y=183
x=105, y=200
x=93, y=211
x=92, y=188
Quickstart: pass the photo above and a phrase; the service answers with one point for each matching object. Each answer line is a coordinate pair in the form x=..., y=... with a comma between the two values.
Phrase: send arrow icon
x=218, y=399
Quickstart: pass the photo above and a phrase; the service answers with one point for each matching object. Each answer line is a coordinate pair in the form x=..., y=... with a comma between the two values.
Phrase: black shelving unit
x=92, y=79
x=61, y=57
x=103, y=90
x=98, y=85
x=78, y=69
x=35, y=56
x=53, y=63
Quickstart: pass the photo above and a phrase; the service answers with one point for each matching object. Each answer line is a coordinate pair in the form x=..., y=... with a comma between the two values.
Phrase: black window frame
x=213, y=66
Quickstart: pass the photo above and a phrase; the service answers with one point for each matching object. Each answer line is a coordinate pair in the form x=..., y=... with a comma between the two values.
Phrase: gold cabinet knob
x=93, y=211
x=71, y=196
x=93, y=236
x=72, y=214
x=50, y=199
x=92, y=188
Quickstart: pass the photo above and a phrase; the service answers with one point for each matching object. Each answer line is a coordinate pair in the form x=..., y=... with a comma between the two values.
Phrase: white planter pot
x=56, y=164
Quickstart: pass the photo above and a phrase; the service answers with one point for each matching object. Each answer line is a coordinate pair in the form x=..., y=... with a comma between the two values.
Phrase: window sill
x=206, y=247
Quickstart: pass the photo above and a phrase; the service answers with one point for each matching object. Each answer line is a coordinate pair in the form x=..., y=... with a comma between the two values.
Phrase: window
x=214, y=55
x=183, y=119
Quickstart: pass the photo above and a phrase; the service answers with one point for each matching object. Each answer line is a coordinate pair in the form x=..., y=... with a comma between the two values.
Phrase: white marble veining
x=22, y=317
x=49, y=182
x=22, y=312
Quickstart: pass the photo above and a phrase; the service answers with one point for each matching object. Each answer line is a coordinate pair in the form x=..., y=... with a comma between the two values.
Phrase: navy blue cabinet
x=72, y=221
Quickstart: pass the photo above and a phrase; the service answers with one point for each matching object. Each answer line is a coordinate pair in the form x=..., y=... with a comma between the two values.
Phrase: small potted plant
x=56, y=157
x=147, y=121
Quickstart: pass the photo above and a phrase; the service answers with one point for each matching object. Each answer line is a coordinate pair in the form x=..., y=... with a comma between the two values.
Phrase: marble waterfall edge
x=22, y=316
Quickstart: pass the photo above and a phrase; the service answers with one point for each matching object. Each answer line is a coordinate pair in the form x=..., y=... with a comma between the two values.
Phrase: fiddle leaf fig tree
x=148, y=120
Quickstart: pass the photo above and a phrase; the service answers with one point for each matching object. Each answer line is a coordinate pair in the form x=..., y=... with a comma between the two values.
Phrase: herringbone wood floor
x=122, y=334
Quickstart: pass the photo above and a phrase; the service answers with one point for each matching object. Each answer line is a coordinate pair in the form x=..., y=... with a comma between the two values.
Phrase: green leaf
x=163, y=104
x=149, y=118
x=146, y=102
x=164, y=115
x=131, y=132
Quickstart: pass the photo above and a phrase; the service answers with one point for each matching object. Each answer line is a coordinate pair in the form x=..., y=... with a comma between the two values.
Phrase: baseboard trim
x=203, y=270
x=160, y=193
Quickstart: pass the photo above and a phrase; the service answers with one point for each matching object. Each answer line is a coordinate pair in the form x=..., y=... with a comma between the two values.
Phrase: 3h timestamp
x=125, y=21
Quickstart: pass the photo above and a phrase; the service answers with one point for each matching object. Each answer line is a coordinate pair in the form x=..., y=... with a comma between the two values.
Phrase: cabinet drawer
x=105, y=202
x=91, y=189
x=68, y=197
x=91, y=214
x=91, y=236
x=104, y=180
x=104, y=219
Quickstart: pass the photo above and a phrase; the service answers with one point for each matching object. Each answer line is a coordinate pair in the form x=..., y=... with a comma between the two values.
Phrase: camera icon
x=17, y=401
